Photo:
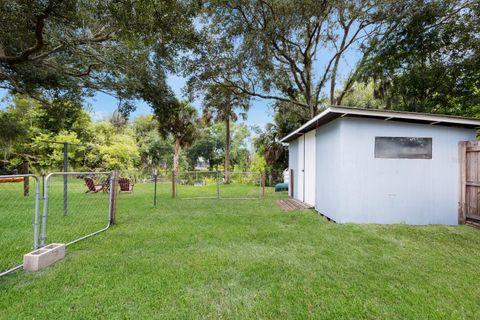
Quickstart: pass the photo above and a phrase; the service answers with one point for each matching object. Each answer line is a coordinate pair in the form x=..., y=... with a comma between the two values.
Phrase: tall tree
x=154, y=149
x=288, y=117
x=430, y=62
x=210, y=145
x=287, y=51
x=267, y=144
x=55, y=120
x=11, y=131
x=178, y=121
x=225, y=105
x=175, y=118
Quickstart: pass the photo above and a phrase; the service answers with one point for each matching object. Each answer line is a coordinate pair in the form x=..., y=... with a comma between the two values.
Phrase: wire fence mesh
x=19, y=199
x=197, y=184
x=274, y=177
x=241, y=185
x=76, y=205
x=163, y=178
x=218, y=185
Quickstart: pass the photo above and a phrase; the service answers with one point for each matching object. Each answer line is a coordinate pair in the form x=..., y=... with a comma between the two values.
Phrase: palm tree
x=268, y=143
x=222, y=104
x=180, y=122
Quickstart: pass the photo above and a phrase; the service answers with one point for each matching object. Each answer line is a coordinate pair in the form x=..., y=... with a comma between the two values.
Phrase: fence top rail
x=47, y=178
x=19, y=175
x=221, y=171
x=76, y=173
x=241, y=172
x=198, y=171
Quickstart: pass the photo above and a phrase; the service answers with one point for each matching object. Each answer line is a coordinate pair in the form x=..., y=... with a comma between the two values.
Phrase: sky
x=259, y=114
x=103, y=105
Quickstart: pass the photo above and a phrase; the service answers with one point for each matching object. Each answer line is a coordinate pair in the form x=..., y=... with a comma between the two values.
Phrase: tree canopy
x=300, y=55
x=430, y=61
x=68, y=48
x=288, y=51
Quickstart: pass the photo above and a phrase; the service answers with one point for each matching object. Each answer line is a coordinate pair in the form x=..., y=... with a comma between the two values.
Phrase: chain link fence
x=76, y=206
x=197, y=185
x=19, y=206
x=274, y=177
x=241, y=185
x=219, y=185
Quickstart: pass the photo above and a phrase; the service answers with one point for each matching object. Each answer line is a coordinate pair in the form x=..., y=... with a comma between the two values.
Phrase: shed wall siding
x=328, y=170
x=293, y=164
x=413, y=191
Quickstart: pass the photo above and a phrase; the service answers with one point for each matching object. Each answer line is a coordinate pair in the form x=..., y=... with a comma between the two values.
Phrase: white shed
x=373, y=166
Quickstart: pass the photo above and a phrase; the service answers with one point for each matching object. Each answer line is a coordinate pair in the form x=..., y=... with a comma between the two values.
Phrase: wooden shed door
x=469, y=204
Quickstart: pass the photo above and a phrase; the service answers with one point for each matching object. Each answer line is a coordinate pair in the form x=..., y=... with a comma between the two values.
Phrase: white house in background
x=201, y=164
x=373, y=166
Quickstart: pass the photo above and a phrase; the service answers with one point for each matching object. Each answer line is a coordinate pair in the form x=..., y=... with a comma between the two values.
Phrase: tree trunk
x=227, y=150
x=333, y=78
x=347, y=88
x=311, y=102
x=176, y=156
x=333, y=81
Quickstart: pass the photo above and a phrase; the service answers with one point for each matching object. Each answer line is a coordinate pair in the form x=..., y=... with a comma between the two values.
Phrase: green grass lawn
x=246, y=259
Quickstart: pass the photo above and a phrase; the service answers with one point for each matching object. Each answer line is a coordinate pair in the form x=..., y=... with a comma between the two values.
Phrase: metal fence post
x=45, y=208
x=218, y=184
x=155, y=188
x=110, y=199
x=65, y=179
x=35, y=219
x=113, y=197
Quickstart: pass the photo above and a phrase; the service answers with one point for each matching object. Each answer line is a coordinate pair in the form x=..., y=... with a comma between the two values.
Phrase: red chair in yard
x=125, y=185
x=92, y=187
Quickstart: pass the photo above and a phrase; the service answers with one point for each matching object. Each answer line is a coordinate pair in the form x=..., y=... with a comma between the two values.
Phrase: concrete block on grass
x=43, y=257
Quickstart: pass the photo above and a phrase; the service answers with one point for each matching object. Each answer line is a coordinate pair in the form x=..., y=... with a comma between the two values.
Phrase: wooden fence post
x=26, y=180
x=290, y=179
x=462, y=159
x=174, y=184
x=114, y=191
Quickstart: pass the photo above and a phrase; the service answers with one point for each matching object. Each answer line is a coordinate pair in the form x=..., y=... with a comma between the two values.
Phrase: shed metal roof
x=334, y=112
